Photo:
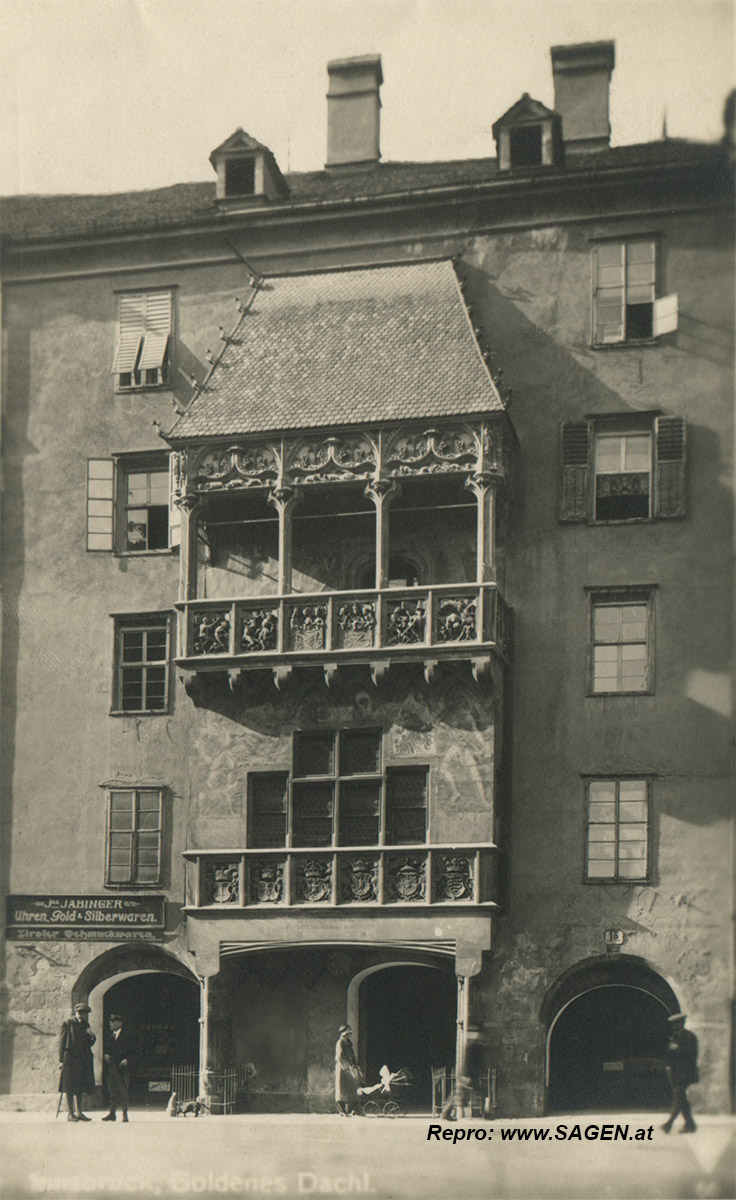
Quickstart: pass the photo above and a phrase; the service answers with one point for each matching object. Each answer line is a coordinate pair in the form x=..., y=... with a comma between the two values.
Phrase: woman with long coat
x=346, y=1072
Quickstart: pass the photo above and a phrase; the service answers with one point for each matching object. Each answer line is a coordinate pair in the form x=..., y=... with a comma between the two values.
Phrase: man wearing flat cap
x=681, y=1068
x=76, y=1069
x=116, y=1070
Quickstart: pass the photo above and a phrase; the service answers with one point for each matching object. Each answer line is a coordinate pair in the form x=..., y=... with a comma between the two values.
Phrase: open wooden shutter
x=664, y=315
x=174, y=510
x=100, y=503
x=575, y=491
x=131, y=324
x=669, y=449
x=157, y=330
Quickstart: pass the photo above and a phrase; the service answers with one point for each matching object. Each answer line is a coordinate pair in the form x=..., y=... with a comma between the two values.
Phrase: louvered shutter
x=131, y=324
x=664, y=315
x=100, y=503
x=670, y=467
x=575, y=498
x=174, y=510
x=157, y=330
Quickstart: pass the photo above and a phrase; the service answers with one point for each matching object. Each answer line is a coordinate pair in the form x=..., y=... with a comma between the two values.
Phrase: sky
x=121, y=95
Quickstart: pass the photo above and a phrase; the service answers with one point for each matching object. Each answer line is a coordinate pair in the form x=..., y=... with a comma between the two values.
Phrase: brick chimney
x=582, y=76
x=353, y=111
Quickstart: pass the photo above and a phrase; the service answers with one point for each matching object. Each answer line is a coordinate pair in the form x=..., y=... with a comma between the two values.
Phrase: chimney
x=582, y=76
x=353, y=111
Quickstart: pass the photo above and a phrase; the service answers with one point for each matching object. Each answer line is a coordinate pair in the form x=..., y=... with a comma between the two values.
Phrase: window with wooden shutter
x=670, y=467
x=575, y=500
x=100, y=503
x=144, y=332
x=624, y=291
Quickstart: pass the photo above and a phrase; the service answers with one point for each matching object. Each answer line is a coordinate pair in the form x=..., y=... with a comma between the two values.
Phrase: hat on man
x=345, y=1029
x=116, y=1017
x=82, y=1008
x=678, y=1016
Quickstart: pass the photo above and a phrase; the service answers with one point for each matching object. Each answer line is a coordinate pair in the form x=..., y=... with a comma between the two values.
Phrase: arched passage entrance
x=408, y=1015
x=607, y=1034
x=158, y=997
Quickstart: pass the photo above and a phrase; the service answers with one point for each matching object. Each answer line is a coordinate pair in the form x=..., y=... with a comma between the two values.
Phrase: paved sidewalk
x=292, y=1156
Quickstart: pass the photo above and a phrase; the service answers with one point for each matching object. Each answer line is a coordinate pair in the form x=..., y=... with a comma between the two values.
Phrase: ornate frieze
x=258, y=630
x=314, y=880
x=454, y=877
x=405, y=622
x=457, y=619
x=364, y=455
x=237, y=467
x=211, y=629
x=407, y=878
x=359, y=880
x=356, y=622
x=221, y=882
x=266, y=881
x=411, y=453
x=311, y=460
x=307, y=625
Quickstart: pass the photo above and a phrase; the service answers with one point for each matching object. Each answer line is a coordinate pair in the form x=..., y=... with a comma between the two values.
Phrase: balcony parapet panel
x=390, y=625
x=388, y=877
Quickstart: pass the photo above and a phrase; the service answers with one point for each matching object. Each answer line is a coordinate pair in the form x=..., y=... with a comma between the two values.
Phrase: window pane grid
x=142, y=675
x=617, y=839
x=338, y=795
x=134, y=837
x=625, y=290
x=620, y=650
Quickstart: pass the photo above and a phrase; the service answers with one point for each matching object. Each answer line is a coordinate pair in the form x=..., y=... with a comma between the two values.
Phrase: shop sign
x=85, y=918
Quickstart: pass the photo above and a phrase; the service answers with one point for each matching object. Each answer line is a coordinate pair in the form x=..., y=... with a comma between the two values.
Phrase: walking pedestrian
x=681, y=1068
x=117, y=1069
x=76, y=1068
x=347, y=1076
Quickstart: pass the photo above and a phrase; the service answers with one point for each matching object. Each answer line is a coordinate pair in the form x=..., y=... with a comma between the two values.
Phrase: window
x=624, y=290
x=525, y=144
x=141, y=680
x=620, y=641
x=617, y=837
x=134, y=820
x=240, y=177
x=144, y=332
x=623, y=468
x=338, y=794
x=130, y=506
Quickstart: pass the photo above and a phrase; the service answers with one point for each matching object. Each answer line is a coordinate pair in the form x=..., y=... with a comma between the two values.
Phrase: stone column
x=382, y=492
x=283, y=500
x=485, y=487
x=189, y=506
x=214, y=1042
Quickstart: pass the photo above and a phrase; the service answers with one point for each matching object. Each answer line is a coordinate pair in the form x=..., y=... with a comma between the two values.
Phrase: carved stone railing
x=387, y=876
x=446, y=619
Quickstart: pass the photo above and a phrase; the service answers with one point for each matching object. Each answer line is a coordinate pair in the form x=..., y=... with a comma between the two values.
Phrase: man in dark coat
x=681, y=1067
x=117, y=1069
x=76, y=1069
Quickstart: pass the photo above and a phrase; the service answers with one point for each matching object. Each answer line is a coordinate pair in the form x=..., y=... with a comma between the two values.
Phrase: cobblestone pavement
x=296, y=1156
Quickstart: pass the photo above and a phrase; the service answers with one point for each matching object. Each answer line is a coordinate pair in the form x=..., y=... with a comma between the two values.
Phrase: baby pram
x=385, y=1099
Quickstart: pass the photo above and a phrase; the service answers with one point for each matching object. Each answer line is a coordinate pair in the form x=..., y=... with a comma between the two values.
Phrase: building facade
x=367, y=642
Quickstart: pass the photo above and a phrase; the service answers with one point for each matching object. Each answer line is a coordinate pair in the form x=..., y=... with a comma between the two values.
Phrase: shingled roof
x=39, y=218
x=345, y=347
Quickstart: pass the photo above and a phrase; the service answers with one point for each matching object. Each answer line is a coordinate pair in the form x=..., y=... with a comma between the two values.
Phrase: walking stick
x=61, y=1097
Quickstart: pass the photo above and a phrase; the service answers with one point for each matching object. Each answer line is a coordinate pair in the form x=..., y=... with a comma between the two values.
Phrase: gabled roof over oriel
x=346, y=347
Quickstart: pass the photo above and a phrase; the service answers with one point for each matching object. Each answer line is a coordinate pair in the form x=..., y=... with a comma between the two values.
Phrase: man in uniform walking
x=681, y=1068
x=75, y=1061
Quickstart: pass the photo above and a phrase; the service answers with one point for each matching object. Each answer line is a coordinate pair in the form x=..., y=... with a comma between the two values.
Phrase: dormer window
x=526, y=146
x=528, y=135
x=247, y=172
x=240, y=177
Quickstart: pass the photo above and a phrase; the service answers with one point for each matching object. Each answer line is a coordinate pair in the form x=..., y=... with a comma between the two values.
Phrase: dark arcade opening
x=408, y=1019
x=161, y=1013
x=606, y=1051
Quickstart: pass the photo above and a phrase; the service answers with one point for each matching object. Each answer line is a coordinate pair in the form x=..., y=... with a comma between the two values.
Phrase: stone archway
x=606, y=1036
